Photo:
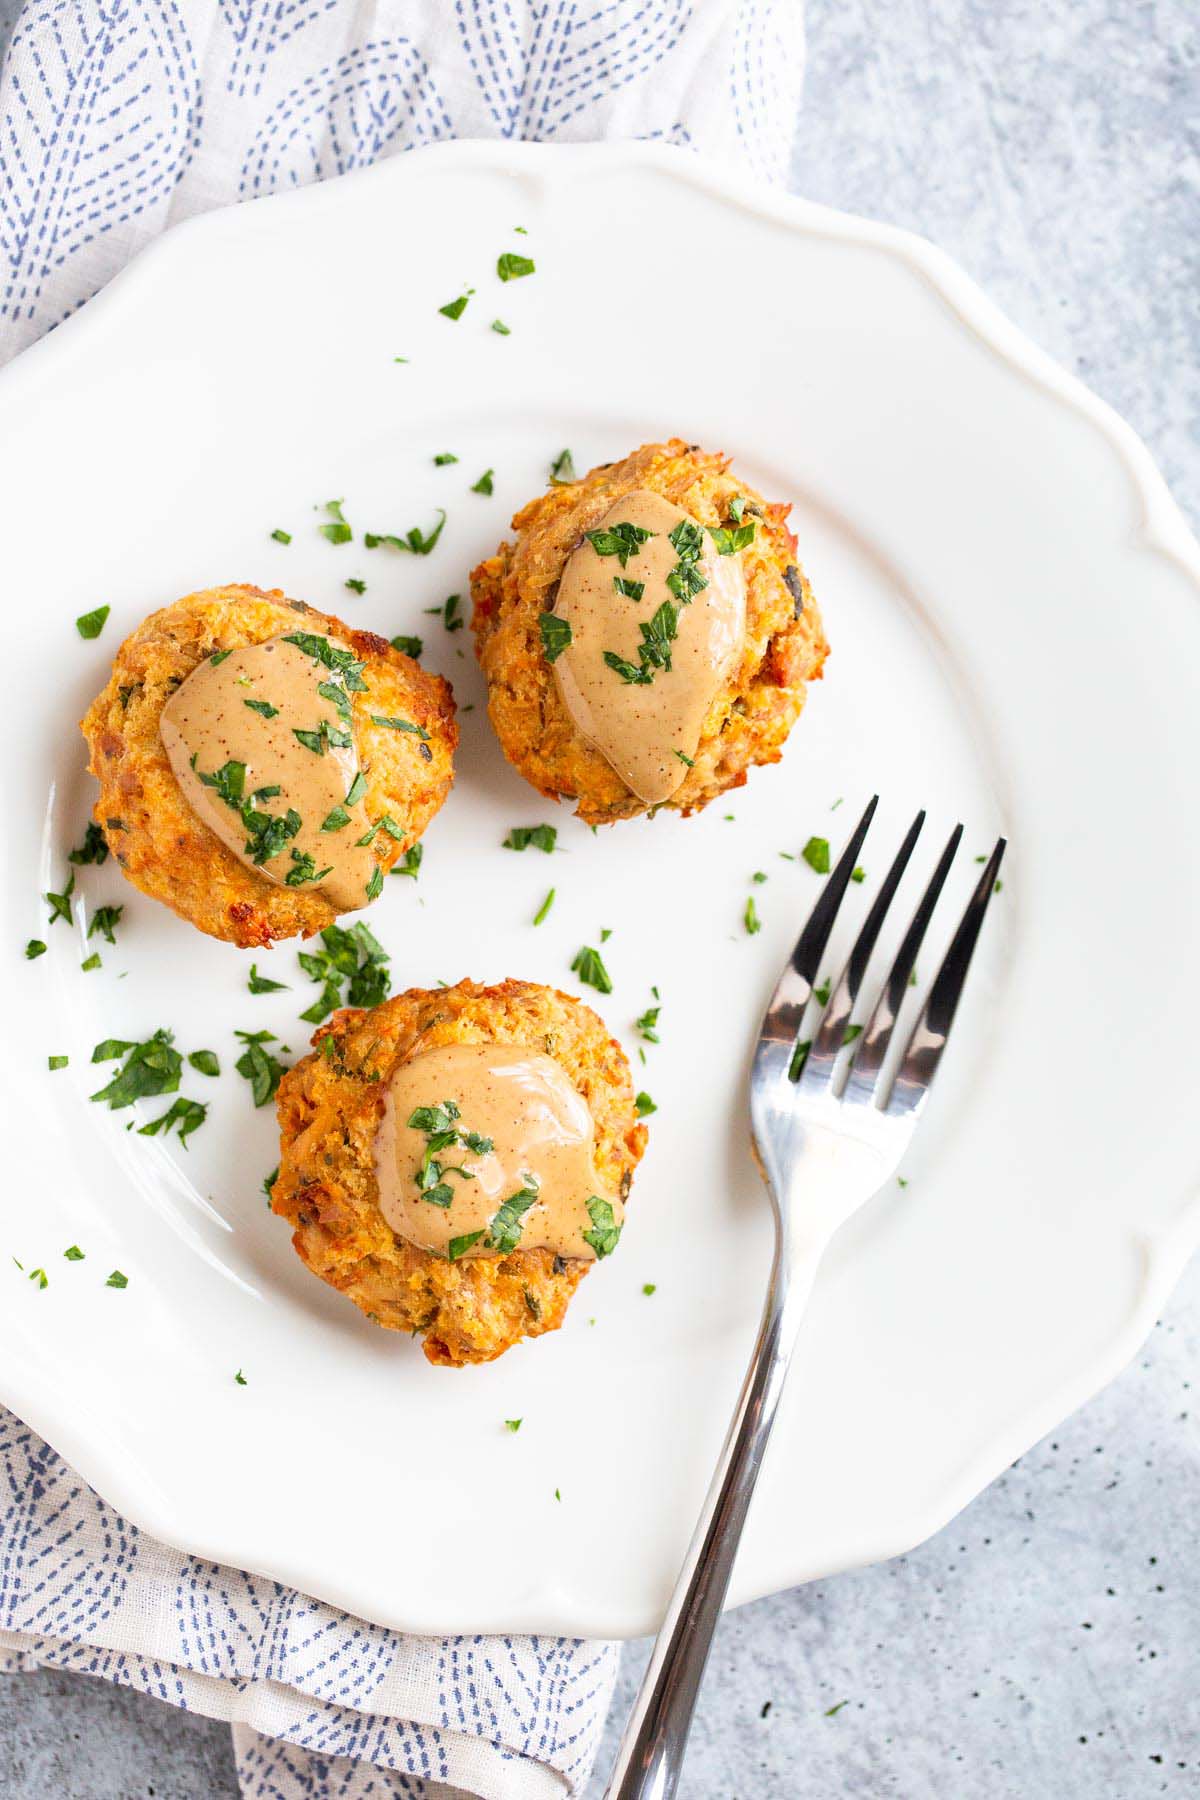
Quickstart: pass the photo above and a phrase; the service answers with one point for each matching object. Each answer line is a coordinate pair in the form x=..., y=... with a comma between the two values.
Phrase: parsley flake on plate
x=94, y=848
x=337, y=531
x=418, y=542
x=562, y=469
x=150, y=1068
x=262, y=984
x=816, y=855
x=484, y=484
x=544, y=908
x=408, y=646
x=454, y=309
x=57, y=1062
x=105, y=920
x=589, y=966
x=541, y=837
x=117, y=1280
x=261, y=1069
x=644, y=1105
x=281, y=537
x=205, y=1061
x=510, y=266
x=34, y=948
x=60, y=904
x=91, y=624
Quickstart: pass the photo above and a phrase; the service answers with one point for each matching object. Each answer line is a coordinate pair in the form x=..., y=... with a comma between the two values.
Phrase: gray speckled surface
x=1046, y=1641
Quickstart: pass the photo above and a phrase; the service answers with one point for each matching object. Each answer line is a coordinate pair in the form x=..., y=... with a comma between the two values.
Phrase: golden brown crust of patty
x=330, y=1105
x=164, y=848
x=750, y=717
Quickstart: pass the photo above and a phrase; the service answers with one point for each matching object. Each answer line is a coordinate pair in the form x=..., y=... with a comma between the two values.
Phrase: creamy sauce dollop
x=647, y=720
x=529, y=1189
x=277, y=799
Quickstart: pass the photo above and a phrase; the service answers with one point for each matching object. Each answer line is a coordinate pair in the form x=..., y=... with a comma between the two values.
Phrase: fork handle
x=650, y=1757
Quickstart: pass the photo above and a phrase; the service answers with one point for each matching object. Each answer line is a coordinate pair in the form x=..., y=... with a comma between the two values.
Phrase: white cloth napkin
x=118, y=117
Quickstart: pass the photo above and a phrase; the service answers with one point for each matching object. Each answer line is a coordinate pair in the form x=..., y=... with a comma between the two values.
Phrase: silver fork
x=829, y=1128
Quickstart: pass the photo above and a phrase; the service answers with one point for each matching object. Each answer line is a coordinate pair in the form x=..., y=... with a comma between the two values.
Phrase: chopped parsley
x=621, y=540
x=187, y=1115
x=41, y=1277
x=262, y=706
x=304, y=869
x=356, y=584
x=458, y=1246
x=105, y=920
x=647, y=1025
x=510, y=266
x=504, y=1232
x=90, y=625
x=216, y=659
x=342, y=662
x=758, y=877
x=240, y=1378
x=605, y=1233
x=562, y=469
x=73, y=1253
x=337, y=820
x=821, y=994
x=644, y=1105
x=60, y=904
x=269, y=1181
x=858, y=874
x=851, y=1032
x=448, y=612
x=94, y=848
x=261, y=984
x=356, y=790
x=589, y=966
x=261, y=1069
x=816, y=855
x=542, y=837
x=454, y=309
x=353, y=956
x=149, y=1068
x=556, y=635
x=544, y=908
x=649, y=1287
x=205, y=1061
x=632, y=590
x=408, y=646
x=512, y=1424
x=34, y=948
x=117, y=1280
x=395, y=724
x=728, y=542
x=484, y=484
x=418, y=542
x=410, y=862
x=443, y=457
x=337, y=531
x=750, y=918
x=375, y=885
x=91, y=962
x=280, y=536
x=57, y=1062
x=799, y=1058
x=499, y=326
x=737, y=507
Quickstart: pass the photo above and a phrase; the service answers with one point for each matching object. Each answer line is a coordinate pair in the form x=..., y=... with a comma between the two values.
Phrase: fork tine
x=822, y=1057
x=781, y=1022
x=877, y=1033
x=924, y=1049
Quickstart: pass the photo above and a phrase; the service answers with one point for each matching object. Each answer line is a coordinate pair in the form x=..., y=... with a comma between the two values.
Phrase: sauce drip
x=528, y=1190
x=276, y=799
x=646, y=725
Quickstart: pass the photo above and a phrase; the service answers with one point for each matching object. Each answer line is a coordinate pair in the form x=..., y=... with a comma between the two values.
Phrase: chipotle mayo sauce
x=644, y=707
x=518, y=1172
x=270, y=765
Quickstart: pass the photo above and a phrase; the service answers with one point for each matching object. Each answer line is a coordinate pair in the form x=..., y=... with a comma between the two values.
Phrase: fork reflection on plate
x=830, y=1125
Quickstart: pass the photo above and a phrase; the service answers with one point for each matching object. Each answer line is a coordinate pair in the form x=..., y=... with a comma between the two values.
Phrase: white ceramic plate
x=1011, y=598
